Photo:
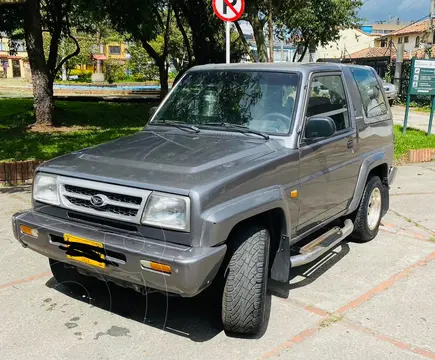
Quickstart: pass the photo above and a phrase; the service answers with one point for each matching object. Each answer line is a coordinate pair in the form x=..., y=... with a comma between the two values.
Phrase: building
x=110, y=53
x=383, y=27
x=15, y=65
x=350, y=40
x=413, y=37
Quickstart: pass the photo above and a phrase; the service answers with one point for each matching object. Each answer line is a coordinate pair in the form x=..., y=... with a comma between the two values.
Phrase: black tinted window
x=260, y=100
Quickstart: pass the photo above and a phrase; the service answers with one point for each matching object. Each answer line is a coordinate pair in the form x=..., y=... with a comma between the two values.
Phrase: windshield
x=261, y=101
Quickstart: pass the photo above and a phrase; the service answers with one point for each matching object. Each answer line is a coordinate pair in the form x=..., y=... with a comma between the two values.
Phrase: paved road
x=416, y=120
x=362, y=301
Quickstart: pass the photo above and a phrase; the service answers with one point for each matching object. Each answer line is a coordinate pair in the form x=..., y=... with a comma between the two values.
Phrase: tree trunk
x=163, y=75
x=244, y=42
x=43, y=98
x=260, y=40
x=303, y=53
x=41, y=79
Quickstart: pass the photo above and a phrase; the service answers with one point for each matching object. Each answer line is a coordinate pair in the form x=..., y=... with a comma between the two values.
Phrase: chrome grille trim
x=65, y=183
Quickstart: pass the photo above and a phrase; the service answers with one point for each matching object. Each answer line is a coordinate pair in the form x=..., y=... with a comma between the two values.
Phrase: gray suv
x=243, y=173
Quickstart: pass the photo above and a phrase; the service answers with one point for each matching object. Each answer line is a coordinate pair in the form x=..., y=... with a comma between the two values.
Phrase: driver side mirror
x=152, y=111
x=320, y=127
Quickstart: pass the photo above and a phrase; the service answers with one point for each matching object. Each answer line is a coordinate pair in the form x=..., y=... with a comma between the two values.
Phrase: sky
x=406, y=10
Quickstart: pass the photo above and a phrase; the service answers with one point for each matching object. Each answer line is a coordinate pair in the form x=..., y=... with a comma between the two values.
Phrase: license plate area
x=86, y=251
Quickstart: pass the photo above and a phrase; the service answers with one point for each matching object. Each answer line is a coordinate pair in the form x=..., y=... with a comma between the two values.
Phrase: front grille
x=118, y=202
x=115, y=197
x=107, y=208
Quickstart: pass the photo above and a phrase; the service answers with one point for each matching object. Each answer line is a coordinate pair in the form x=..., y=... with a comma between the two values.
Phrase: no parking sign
x=228, y=11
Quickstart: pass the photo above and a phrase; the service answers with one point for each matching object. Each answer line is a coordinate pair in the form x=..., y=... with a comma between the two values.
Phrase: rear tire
x=244, y=293
x=369, y=213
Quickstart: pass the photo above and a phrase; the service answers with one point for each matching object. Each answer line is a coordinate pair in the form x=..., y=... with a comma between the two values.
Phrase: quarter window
x=371, y=92
x=328, y=98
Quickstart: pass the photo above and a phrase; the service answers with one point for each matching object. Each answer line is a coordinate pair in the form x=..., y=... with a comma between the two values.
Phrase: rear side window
x=328, y=98
x=371, y=93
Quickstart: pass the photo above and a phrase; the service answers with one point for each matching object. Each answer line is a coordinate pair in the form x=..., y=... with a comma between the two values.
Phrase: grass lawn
x=88, y=124
x=414, y=139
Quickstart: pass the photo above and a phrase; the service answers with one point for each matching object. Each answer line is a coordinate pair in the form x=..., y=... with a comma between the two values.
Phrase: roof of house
x=371, y=52
x=12, y=57
x=418, y=27
x=99, y=57
x=376, y=52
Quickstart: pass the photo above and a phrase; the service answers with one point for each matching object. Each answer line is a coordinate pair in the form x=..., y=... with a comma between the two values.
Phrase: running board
x=322, y=244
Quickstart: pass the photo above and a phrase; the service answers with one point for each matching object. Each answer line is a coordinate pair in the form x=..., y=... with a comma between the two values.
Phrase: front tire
x=244, y=293
x=369, y=213
x=68, y=275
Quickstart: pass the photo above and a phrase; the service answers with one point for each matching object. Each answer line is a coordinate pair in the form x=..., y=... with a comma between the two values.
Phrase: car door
x=328, y=166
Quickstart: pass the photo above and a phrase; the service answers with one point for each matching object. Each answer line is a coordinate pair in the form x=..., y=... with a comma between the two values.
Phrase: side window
x=371, y=93
x=328, y=98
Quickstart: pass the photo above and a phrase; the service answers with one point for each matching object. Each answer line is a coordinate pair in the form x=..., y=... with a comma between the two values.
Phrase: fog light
x=156, y=266
x=28, y=231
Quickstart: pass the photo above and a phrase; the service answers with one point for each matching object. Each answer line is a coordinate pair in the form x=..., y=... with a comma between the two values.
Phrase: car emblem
x=98, y=200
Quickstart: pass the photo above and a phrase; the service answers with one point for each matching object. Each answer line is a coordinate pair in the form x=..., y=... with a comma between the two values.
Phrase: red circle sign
x=228, y=10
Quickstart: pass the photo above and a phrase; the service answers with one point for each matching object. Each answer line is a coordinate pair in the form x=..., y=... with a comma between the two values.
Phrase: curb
x=18, y=172
x=421, y=155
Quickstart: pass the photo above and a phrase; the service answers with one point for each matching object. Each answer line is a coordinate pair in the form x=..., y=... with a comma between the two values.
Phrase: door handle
x=350, y=144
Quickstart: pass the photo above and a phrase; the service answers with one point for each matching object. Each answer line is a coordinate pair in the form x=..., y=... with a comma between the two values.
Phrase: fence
x=18, y=172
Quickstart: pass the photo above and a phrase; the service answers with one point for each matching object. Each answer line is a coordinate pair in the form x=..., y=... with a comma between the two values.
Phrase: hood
x=162, y=160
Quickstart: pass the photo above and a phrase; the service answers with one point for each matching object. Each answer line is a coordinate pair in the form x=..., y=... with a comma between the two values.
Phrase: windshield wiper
x=179, y=125
x=239, y=128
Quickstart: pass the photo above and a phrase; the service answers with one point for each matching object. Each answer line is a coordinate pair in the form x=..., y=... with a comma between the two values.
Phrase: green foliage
x=83, y=75
x=115, y=71
x=316, y=22
x=140, y=64
x=93, y=123
x=388, y=75
x=413, y=139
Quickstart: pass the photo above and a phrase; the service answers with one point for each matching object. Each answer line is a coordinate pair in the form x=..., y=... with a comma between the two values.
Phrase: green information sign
x=421, y=82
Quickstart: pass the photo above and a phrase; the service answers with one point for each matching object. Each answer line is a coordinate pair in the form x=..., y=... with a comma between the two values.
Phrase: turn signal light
x=29, y=231
x=156, y=266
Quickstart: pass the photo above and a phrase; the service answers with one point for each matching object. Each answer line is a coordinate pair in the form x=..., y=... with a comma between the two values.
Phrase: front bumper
x=193, y=269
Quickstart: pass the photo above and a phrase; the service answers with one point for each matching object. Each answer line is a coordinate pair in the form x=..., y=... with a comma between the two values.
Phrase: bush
x=172, y=75
x=115, y=72
x=83, y=75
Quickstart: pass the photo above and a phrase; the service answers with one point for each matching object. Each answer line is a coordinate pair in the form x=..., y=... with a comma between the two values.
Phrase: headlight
x=45, y=189
x=167, y=211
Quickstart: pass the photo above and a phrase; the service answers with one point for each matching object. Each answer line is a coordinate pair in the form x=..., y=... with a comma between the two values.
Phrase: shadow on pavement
x=197, y=319
x=309, y=273
x=193, y=318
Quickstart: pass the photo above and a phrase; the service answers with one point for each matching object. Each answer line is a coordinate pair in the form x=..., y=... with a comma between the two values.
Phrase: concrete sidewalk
x=361, y=301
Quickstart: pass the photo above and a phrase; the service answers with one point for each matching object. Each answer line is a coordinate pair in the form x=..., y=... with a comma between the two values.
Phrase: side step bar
x=322, y=244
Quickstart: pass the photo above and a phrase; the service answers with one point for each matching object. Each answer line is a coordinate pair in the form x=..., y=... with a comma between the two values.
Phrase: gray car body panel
x=230, y=177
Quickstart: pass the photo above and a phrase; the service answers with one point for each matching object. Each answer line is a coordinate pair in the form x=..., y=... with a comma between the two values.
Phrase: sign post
x=228, y=11
x=421, y=82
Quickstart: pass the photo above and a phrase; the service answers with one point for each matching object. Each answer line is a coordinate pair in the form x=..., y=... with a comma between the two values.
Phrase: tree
x=144, y=21
x=316, y=22
x=35, y=17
